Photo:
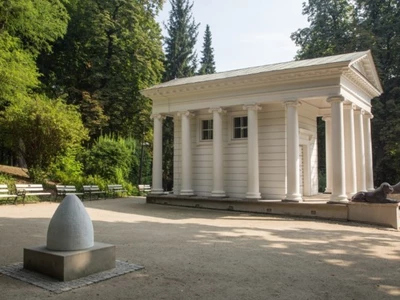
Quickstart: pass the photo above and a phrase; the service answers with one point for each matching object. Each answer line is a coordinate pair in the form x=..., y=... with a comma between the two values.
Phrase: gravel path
x=206, y=254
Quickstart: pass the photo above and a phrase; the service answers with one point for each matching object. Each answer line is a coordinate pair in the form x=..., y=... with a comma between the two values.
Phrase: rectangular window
x=239, y=127
x=207, y=129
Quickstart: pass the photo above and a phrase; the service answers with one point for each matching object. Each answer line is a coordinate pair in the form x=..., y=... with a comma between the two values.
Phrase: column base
x=338, y=199
x=186, y=193
x=157, y=191
x=220, y=194
x=254, y=196
x=293, y=198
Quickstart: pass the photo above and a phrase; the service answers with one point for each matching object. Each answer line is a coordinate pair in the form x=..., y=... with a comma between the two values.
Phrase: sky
x=246, y=33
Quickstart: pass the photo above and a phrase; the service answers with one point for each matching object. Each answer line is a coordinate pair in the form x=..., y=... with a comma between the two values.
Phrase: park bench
x=63, y=190
x=6, y=195
x=144, y=188
x=24, y=190
x=92, y=190
x=114, y=189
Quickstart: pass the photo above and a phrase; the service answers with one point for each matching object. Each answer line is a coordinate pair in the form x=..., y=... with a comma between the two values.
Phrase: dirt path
x=205, y=254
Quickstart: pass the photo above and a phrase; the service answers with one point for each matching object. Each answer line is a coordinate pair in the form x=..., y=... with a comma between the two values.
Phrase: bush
x=67, y=169
x=111, y=159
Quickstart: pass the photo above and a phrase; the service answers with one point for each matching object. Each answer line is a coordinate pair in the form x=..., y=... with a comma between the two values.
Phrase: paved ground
x=205, y=254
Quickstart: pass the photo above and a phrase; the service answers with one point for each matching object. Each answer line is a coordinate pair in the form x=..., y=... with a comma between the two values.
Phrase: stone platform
x=313, y=207
x=69, y=265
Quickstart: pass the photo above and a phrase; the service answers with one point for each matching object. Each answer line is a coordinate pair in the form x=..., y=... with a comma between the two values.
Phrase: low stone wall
x=375, y=213
x=380, y=214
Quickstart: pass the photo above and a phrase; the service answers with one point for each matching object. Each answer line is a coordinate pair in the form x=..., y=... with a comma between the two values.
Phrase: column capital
x=292, y=103
x=335, y=99
x=326, y=118
x=359, y=111
x=185, y=113
x=158, y=116
x=349, y=106
x=219, y=110
x=254, y=107
x=368, y=115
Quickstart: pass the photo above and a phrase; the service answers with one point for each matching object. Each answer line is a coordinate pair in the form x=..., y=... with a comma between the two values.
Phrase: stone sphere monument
x=70, y=252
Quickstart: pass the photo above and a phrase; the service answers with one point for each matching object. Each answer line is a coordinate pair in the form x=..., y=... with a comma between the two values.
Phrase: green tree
x=26, y=28
x=180, y=55
x=331, y=29
x=207, y=62
x=112, y=50
x=40, y=130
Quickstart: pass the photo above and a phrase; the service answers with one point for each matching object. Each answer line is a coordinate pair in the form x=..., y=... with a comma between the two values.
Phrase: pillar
x=328, y=153
x=157, y=187
x=186, y=187
x=369, y=172
x=218, y=166
x=253, y=180
x=350, y=154
x=292, y=152
x=338, y=158
x=360, y=149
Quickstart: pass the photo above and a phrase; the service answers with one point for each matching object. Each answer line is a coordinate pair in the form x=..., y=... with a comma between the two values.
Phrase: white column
x=360, y=149
x=157, y=187
x=328, y=153
x=186, y=187
x=369, y=172
x=292, y=152
x=218, y=166
x=253, y=180
x=350, y=154
x=338, y=158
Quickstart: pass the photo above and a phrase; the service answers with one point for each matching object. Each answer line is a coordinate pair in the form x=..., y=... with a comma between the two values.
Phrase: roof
x=347, y=59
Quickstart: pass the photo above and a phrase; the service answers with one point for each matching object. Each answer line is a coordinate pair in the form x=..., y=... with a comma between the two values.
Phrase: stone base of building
x=69, y=265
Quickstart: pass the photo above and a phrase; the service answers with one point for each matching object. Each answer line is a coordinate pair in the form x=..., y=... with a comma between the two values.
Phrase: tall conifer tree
x=179, y=44
x=207, y=63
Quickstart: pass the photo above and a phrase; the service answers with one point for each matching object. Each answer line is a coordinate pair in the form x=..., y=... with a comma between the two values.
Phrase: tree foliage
x=207, y=62
x=26, y=28
x=112, y=50
x=180, y=55
x=345, y=26
x=39, y=130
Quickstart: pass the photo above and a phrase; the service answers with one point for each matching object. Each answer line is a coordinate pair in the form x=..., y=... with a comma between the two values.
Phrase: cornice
x=360, y=80
x=247, y=81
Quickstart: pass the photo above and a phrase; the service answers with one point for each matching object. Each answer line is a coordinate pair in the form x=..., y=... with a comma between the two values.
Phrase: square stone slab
x=69, y=265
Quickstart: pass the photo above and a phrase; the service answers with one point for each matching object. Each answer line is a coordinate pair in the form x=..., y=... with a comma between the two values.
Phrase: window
x=239, y=127
x=206, y=129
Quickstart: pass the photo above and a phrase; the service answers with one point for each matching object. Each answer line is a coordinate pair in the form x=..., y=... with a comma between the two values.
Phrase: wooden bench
x=63, y=190
x=5, y=193
x=114, y=189
x=24, y=190
x=92, y=190
x=144, y=188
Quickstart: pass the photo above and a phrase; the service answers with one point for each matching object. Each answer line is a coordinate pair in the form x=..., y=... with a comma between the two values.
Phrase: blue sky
x=247, y=33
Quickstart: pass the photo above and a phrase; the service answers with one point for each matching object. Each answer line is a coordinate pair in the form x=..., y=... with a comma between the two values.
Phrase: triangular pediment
x=365, y=67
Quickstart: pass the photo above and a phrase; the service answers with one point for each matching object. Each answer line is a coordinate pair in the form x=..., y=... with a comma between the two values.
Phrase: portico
x=252, y=133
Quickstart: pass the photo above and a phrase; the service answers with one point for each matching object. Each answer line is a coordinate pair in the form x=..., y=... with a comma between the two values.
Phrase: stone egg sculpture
x=70, y=228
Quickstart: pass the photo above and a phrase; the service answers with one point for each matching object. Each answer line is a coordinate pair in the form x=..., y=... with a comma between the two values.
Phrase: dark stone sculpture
x=396, y=188
x=377, y=196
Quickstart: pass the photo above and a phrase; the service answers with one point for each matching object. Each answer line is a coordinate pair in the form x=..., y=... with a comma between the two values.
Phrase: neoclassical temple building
x=252, y=133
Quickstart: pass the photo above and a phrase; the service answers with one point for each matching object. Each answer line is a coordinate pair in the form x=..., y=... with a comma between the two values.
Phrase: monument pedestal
x=69, y=265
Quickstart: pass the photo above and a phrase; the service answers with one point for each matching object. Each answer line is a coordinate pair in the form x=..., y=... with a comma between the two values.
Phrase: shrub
x=111, y=159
